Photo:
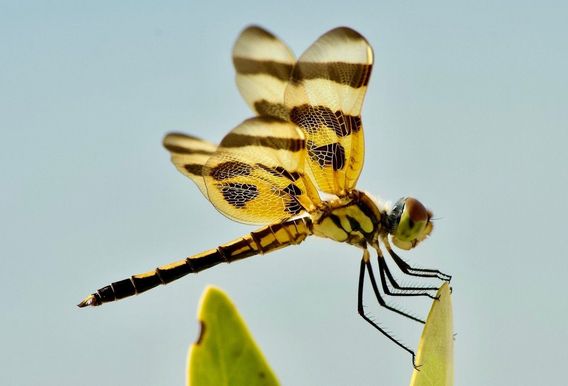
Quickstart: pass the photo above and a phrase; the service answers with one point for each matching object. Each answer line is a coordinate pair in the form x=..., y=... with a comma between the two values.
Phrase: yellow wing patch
x=256, y=174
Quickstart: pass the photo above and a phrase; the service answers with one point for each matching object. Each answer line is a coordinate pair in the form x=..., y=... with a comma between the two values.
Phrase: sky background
x=466, y=110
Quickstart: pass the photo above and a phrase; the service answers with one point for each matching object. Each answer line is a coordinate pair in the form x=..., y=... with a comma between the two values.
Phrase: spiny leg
x=419, y=272
x=407, y=269
x=385, y=274
x=361, y=310
x=380, y=299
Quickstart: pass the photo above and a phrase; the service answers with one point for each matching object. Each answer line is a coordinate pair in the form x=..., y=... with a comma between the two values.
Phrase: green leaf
x=435, y=354
x=225, y=352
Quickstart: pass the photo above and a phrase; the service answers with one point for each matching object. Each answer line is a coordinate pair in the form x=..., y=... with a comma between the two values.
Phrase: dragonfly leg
x=361, y=309
x=367, y=262
x=386, y=275
x=407, y=269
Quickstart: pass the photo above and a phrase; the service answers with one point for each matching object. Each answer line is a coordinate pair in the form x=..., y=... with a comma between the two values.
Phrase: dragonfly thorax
x=358, y=219
x=355, y=219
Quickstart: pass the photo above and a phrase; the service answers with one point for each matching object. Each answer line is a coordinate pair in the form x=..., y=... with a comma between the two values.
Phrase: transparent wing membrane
x=189, y=155
x=263, y=64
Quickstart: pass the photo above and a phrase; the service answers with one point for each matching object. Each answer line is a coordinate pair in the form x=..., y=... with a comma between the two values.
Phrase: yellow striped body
x=261, y=241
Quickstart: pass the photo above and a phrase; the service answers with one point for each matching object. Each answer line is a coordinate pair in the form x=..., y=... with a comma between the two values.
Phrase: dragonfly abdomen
x=264, y=240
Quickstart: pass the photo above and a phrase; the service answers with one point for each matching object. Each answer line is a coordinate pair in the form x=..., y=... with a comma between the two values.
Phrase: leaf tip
x=435, y=350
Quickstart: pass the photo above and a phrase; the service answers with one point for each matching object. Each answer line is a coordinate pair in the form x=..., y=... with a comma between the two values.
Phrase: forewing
x=263, y=64
x=324, y=96
x=256, y=175
x=189, y=155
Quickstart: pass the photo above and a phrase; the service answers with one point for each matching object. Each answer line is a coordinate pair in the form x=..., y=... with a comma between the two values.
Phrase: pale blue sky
x=466, y=110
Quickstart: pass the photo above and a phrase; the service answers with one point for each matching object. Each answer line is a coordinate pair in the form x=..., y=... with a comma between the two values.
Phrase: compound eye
x=414, y=225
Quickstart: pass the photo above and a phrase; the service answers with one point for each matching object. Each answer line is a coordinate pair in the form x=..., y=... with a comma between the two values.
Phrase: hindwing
x=256, y=174
x=189, y=155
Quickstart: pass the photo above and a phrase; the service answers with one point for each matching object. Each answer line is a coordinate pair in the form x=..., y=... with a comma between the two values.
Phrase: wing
x=189, y=155
x=256, y=174
x=324, y=97
x=263, y=64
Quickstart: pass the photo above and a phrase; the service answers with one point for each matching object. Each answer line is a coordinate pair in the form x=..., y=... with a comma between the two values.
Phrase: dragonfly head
x=408, y=222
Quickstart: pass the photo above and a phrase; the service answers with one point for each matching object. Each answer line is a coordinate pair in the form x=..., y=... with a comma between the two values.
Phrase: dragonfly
x=293, y=168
